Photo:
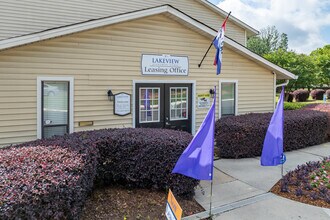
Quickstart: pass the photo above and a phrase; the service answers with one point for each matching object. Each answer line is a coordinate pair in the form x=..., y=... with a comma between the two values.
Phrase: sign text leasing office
x=164, y=65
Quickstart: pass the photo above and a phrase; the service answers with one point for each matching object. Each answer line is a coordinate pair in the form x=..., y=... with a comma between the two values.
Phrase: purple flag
x=197, y=159
x=272, y=152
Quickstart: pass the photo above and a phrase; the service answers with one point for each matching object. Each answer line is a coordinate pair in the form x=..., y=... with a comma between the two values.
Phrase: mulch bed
x=115, y=202
x=304, y=199
x=308, y=183
x=319, y=107
x=291, y=194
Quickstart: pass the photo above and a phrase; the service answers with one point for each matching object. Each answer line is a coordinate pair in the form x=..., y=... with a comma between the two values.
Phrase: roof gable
x=32, y=16
x=250, y=30
x=165, y=9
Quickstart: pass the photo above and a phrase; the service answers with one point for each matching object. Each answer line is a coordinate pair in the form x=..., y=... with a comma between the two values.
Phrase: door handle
x=47, y=122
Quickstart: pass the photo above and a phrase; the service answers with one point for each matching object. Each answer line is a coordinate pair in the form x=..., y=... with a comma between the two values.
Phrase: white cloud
x=302, y=20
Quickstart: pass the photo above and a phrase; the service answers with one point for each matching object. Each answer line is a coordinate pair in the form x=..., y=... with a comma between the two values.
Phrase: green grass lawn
x=298, y=105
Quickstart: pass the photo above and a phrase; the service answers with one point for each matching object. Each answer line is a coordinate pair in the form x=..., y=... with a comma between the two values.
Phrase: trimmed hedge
x=295, y=105
x=150, y=156
x=78, y=144
x=64, y=169
x=301, y=95
x=317, y=94
x=328, y=93
x=41, y=183
x=243, y=136
x=289, y=97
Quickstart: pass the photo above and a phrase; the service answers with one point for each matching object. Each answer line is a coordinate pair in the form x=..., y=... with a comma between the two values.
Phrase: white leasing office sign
x=164, y=65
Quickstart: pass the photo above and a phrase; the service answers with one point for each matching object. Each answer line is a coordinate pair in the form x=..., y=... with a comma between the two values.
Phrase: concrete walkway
x=240, y=189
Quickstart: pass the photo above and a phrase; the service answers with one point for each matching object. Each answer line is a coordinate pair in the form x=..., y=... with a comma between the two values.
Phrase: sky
x=306, y=22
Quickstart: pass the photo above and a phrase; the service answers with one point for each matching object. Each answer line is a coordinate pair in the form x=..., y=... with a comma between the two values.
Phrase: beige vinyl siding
x=25, y=17
x=110, y=57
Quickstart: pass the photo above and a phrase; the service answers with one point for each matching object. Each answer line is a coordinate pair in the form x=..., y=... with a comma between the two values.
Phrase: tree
x=271, y=37
x=312, y=71
x=268, y=41
x=258, y=46
x=321, y=58
x=299, y=64
x=284, y=42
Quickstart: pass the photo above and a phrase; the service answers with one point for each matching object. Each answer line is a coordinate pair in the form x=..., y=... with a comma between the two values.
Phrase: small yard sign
x=173, y=209
x=204, y=100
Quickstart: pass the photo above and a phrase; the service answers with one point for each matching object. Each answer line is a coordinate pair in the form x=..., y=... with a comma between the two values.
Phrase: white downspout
x=283, y=84
x=276, y=86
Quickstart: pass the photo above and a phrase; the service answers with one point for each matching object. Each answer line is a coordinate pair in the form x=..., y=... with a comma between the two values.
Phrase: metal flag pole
x=200, y=64
x=210, y=214
x=283, y=155
x=211, y=193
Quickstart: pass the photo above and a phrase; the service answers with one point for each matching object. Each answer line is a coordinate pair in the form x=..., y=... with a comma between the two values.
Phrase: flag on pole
x=218, y=44
x=197, y=159
x=272, y=152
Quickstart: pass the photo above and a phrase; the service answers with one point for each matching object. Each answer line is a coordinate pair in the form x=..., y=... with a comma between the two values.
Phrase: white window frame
x=193, y=107
x=158, y=112
x=187, y=105
x=40, y=79
x=236, y=93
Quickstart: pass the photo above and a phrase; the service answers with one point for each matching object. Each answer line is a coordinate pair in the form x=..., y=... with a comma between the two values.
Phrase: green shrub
x=243, y=136
x=289, y=96
x=328, y=93
x=51, y=178
x=294, y=105
x=301, y=95
x=144, y=158
x=317, y=94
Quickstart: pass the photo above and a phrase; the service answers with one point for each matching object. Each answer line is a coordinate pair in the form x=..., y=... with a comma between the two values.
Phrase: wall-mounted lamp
x=110, y=95
x=212, y=93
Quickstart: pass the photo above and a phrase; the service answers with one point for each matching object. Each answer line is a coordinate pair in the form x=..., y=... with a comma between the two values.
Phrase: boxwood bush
x=51, y=178
x=317, y=94
x=243, y=136
x=301, y=95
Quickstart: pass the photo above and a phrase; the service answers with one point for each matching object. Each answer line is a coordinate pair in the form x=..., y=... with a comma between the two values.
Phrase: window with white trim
x=228, y=98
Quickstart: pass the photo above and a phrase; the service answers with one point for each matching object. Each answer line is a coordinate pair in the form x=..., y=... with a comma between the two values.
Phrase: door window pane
x=228, y=98
x=55, y=108
x=178, y=103
x=149, y=105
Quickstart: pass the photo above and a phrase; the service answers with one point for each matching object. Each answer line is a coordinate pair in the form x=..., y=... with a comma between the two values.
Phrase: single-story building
x=68, y=66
